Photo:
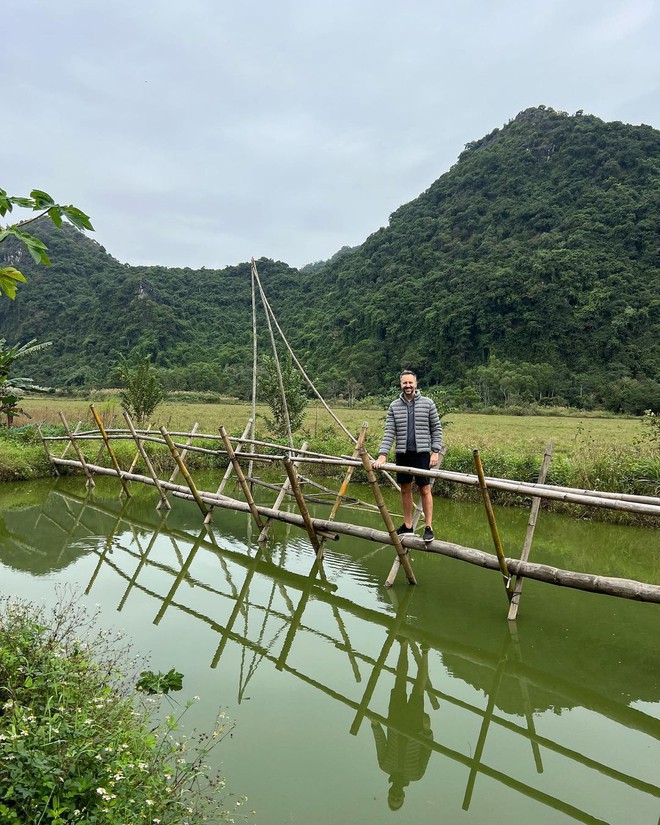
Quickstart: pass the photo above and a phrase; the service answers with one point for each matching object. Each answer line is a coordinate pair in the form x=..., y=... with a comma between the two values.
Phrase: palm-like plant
x=11, y=386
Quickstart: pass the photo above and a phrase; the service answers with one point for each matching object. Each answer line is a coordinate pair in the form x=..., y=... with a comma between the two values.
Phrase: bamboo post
x=389, y=581
x=81, y=458
x=241, y=479
x=344, y=485
x=276, y=357
x=337, y=420
x=147, y=461
x=68, y=444
x=527, y=546
x=184, y=452
x=47, y=451
x=253, y=268
x=402, y=553
x=280, y=498
x=113, y=457
x=137, y=455
x=493, y=525
x=176, y=455
x=228, y=471
x=302, y=506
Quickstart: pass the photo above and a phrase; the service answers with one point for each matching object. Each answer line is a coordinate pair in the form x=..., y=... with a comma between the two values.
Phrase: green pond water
x=350, y=699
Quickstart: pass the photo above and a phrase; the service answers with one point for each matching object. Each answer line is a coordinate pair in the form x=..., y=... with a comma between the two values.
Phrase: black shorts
x=420, y=461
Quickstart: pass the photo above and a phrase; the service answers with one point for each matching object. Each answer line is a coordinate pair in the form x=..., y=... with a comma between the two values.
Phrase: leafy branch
x=41, y=202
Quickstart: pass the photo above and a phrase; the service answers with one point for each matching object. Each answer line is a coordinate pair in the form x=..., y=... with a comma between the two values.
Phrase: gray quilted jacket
x=428, y=429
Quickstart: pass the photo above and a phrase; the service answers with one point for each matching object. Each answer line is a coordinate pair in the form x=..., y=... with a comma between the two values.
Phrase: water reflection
x=401, y=756
x=272, y=599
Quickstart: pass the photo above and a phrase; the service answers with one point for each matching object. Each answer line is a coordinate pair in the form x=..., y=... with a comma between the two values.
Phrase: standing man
x=413, y=422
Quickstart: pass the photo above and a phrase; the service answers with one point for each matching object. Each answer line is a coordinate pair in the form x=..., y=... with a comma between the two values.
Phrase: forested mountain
x=530, y=269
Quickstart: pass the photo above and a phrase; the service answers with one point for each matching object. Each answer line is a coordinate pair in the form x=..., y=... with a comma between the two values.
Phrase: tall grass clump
x=77, y=743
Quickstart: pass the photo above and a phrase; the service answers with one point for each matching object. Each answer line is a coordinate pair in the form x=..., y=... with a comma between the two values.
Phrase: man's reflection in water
x=403, y=758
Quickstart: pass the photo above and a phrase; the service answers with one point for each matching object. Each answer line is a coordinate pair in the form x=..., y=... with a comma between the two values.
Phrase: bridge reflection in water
x=407, y=728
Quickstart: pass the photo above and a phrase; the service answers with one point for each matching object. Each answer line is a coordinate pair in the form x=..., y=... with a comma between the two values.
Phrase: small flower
x=101, y=791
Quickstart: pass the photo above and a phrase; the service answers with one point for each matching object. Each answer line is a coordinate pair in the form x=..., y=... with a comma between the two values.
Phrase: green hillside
x=530, y=270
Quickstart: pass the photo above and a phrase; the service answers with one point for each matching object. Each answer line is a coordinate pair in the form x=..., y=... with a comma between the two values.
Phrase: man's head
x=396, y=795
x=408, y=381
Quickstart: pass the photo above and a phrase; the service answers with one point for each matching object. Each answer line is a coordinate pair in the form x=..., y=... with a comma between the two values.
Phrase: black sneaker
x=403, y=530
x=428, y=535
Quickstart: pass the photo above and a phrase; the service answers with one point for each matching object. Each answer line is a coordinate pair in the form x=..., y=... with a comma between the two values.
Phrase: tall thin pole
x=276, y=357
x=506, y=576
x=253, y=268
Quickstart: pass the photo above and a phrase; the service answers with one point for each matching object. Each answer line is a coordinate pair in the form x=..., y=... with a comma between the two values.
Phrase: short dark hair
x=408, y=372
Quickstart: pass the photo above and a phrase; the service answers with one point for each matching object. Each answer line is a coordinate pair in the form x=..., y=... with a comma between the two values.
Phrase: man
x=413, y=422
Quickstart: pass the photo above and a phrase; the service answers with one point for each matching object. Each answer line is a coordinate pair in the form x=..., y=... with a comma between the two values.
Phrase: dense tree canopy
x=530, y=270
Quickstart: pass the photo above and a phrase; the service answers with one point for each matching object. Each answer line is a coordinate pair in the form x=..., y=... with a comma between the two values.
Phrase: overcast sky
x=205, y=132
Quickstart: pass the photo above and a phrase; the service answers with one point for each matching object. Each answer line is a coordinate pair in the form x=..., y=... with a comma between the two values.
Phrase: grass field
x=571, y=437
x=588, y=452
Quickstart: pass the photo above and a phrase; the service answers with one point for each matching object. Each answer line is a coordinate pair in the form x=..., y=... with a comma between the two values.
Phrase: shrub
x=76, y=744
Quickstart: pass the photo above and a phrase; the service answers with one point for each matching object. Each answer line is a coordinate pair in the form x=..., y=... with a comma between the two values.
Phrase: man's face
x=408, y=385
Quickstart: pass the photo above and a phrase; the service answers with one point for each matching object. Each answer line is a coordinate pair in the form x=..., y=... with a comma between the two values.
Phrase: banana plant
x=12, y=386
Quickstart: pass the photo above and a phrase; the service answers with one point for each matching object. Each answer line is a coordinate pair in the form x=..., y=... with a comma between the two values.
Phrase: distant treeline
x=528, y=273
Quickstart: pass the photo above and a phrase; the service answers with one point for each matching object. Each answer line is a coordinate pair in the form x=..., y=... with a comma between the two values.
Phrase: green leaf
x=55, y=214
x=25, y=202
x=42, y=200
x=77, y=217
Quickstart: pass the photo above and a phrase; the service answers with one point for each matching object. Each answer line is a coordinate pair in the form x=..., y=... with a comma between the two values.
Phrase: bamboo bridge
x=237, y=451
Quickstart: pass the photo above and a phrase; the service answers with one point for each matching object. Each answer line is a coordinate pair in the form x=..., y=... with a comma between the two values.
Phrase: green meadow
x=589, y=452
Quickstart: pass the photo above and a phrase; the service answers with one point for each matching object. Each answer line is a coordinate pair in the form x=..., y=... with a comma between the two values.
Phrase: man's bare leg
x=407, y=503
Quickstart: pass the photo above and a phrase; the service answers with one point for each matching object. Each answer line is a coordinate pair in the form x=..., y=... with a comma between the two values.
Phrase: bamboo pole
x=228, y=471
x=529, y=536
x=241, y=479
x=81, y=458
x=310, y=383
x=45, y=446
x=184, y=451
x=389, y=581
x=493, y=525
x=254, y=357
x=276, y=357
x=592, y=583
x=344, y=485
x=280, y=498
x=184, y=470
x=137, y=455
x=150, y=467
x=293, y=481
x=402, y=553
x=113, y=457
x=68, y=444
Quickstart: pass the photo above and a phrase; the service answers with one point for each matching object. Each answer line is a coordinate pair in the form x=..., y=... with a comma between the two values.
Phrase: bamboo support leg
x=184, y=452
x=113, y=457
x=389, y=581
x=163, y=503
x=137, y=455
x=302, y=506
x=493, y=525
x=81, y=458
x=47, y=451
x=228, y=471
x=241, y=479
x=527, y=546
x=68, y=444
x=280, y=498
x=402, y=553
x=184, y=470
